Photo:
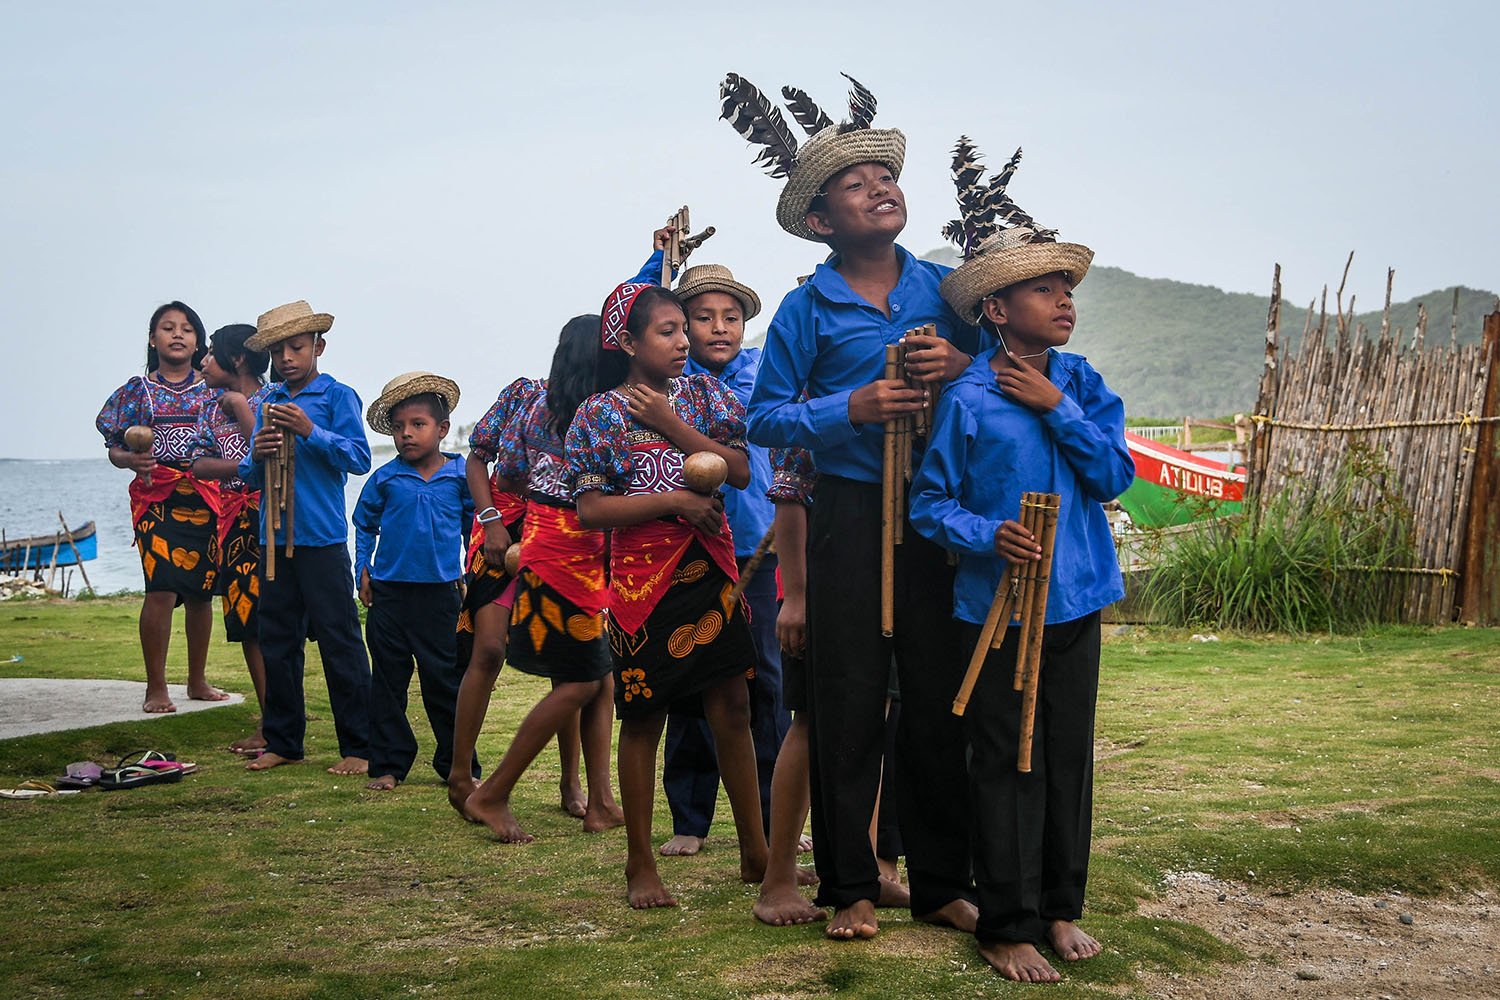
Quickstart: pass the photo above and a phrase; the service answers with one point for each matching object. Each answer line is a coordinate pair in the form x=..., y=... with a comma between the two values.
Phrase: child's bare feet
x=753, y=865
x=806, y=876
x=351, y=766
x=783, y=906
x=157, y=702
x=249, y=744
x=597, y=819
x=854, y=921
x=960, y=914
x=574, y=802
x=645, y=890
x=804, y=844
x=893, y=894
x=459, y=790
x=205, y=692
x=1070, y=942
x=1019, y=962
x=268, y=760
x=384, y=783
x=682, y=846
x=498, y=817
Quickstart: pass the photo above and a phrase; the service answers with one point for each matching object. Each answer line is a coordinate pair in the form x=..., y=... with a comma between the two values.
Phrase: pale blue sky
x=454, y=181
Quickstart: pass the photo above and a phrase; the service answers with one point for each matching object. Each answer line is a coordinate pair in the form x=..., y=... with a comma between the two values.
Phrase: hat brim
x=819, y=161
x=744, y=293
x=378, y=416
x=263, y=339
x=985, y=274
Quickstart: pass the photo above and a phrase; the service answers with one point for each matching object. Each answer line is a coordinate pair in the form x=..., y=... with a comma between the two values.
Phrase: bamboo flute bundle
x=889, y=512
x=279, y=497
x=269, y=508
x=1001, y=613
x=1031, y=506
x=1037, y=623
x=289, y=488
x=680, y=244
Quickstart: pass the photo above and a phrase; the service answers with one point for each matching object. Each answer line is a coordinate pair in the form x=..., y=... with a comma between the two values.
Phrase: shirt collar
x=319, y=385
x=829, y=284
x=1060, y=369
x=398, y=466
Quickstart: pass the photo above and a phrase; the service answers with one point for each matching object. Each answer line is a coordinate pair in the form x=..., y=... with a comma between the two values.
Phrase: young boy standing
x=1025, y=417
x=415, y=506
x=314, y=586
x=828, y=340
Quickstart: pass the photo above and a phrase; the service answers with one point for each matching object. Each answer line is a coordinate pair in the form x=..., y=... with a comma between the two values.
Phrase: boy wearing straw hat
x=314, y=585
x=828, y=341
x=1025, y=417
x=408, y=547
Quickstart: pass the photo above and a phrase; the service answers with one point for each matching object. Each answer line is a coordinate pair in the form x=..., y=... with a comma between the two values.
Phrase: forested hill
x=1174, y=349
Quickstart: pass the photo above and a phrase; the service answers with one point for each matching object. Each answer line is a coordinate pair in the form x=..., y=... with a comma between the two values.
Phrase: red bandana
x=617, y=313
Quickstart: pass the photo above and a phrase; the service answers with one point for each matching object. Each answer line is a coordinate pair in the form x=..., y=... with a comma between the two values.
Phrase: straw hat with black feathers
x=828, y=149
x=285, y=322
x=403, y=387
x=1000, y=244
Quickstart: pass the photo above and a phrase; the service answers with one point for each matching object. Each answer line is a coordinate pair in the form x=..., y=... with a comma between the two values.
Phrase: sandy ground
x=33, y=705
x=1336, y=944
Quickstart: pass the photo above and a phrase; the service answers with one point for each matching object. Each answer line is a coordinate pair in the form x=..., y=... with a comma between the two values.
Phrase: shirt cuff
x=1066, y=412
x=830, y=419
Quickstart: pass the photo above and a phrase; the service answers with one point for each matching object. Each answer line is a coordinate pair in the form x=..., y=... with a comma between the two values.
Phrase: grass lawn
x=1361, y=763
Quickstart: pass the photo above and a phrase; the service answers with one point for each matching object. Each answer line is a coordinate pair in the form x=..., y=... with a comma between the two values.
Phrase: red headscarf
x=616, y=313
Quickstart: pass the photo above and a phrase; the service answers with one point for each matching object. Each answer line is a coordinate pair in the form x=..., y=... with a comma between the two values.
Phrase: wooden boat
x=1173, y=486
x=38, y=551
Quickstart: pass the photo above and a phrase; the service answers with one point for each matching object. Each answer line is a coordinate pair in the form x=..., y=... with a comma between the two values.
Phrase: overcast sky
x=454, y=181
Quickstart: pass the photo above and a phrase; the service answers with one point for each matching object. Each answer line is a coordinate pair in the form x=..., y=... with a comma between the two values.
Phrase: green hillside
x=1173, y=349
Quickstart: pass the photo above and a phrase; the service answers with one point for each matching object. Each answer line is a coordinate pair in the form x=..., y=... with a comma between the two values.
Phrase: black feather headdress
x=985, y=209
x=812, y=118
x=753, y=116
x=861, y=106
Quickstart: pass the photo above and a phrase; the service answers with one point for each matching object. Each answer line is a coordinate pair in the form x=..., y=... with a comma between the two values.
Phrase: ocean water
x=87, y=489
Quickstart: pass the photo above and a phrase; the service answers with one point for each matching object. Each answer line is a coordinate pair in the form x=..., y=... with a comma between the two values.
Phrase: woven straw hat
x=404, y=387
x=717, y=278
x=285, y=322
x=824, y=155
x=1005, y=260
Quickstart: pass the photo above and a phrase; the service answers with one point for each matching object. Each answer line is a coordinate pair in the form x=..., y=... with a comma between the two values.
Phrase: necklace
x=1006, y=349
x=168, y=383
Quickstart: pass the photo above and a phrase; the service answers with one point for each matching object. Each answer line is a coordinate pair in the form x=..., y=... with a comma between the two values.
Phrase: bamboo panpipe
x=889, y=507
x=1036, y=625
x=268, y=503
x=279, y=498
x=752, y=565
x=680, y=244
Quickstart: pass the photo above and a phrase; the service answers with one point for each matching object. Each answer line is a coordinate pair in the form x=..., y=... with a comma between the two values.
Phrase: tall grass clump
x=1312, y=561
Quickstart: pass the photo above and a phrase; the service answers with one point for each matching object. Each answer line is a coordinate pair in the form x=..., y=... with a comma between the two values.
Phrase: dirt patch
x=1335, y=944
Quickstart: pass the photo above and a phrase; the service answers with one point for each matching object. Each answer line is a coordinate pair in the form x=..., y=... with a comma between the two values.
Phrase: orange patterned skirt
x=178, y=539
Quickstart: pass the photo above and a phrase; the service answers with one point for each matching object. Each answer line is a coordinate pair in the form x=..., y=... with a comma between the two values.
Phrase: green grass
x=1360, y=762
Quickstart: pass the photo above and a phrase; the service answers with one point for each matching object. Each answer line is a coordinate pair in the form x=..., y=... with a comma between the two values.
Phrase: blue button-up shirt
x=827, y=339
x=987, y=449
x=748, y=509
x=335, y=449
x=419, y=523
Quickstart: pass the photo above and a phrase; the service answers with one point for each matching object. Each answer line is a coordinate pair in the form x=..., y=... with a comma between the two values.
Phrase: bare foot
x=960, y=914
x=498, y=817
x=804, y=844
x=1070, y=942
x=753, y=866
x=249, y=744
x=351, y=765
x=597, y=820
x=268, y=760
x=574, y=802
x=645, y=891
x=682, y=846
x=384, y=783
x=157, y=703
x=854, y=921
x=205, y=692
x=893, y=894
x=806, y=876
x=1019, y=962
x=459, y=790
x=783, y=906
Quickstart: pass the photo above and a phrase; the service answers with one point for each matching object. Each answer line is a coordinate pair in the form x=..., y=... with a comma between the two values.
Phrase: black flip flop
x=135, y=775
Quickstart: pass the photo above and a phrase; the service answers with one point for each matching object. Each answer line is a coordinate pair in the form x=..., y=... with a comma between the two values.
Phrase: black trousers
x=313, y=590
x=849, y=675
x=1031, y=831
x=412, y=622
x=691, y=773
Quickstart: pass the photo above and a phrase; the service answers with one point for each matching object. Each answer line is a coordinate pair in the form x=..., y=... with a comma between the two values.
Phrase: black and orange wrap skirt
x=485, y=584
x=557, y=619
x=239, y=564
x=176, y=531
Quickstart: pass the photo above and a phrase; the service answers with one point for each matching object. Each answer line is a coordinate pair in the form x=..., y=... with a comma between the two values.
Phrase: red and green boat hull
x=1176, y=487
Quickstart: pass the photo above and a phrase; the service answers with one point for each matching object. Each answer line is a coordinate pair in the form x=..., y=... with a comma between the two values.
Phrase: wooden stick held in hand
x=1038, y=624
x=752, y=565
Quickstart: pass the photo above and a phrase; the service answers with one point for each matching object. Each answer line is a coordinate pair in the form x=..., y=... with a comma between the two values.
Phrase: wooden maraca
x=140, y=439
x=513, y=559
x=704, y=472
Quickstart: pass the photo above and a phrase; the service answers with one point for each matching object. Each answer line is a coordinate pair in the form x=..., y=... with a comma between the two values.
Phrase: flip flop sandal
x=135, y=775
x=166, y=762
x=82, y=774
x=32, y=789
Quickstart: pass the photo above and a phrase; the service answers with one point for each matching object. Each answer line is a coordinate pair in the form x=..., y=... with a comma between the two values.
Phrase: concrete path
x=31, y=705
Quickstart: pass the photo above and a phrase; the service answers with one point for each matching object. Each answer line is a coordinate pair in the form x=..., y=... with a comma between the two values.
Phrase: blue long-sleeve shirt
x=325, y=459
x=987, y=449
x=829, y=341
x=418, y=522
x=748, y=509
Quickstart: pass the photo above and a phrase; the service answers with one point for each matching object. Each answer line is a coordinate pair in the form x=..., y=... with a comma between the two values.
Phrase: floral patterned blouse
x=486, y=438
x=608, y=450
x=218, y=435
x=793, y=476
x=170, y=411
x=531, y=452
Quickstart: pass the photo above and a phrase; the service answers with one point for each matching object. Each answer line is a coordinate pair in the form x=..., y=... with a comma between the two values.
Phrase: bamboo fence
x=1427, y=410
